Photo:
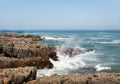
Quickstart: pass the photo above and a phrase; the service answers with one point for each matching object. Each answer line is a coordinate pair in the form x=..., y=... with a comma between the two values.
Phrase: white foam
x=98, y=38
x=99, y=67
x=52, y=38
x=64, y=65
x=111, y=42
x=116, y=41
x=37, y=33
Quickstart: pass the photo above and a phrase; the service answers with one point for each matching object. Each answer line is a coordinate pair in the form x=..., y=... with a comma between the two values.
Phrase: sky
x=60, y=14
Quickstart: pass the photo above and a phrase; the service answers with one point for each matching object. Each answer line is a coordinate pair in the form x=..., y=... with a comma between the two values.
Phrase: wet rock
x=53, y=56
x=71, y=51
x=89, y=50
x=17, y=75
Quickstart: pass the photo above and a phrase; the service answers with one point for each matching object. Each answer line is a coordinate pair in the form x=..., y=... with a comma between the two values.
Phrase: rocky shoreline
x=21, y=56
x=20, y=50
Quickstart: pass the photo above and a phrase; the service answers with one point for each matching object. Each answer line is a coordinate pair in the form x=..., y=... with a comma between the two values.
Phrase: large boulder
x=17, y=75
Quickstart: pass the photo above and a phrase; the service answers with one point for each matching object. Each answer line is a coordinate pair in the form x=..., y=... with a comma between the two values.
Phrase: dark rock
x=89, y=50
x=53, y=56
x=8, y=49
x=71, y=51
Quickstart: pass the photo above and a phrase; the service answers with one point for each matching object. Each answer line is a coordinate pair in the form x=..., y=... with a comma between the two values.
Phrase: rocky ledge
x=98, y=78
x=17, y=75
x=19, y=50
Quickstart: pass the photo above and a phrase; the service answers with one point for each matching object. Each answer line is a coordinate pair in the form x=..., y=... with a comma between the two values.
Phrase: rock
x=53, y=56
x=8, y=49
x=5, y=80
x=38, y=62
x=101, y=78
x=71, y=51
x=18, y=35
x=22, y=50
x=17, y=75
x=23, y=47
x=89, y=50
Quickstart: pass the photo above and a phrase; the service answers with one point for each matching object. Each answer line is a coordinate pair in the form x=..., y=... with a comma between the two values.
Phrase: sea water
x=105, y=56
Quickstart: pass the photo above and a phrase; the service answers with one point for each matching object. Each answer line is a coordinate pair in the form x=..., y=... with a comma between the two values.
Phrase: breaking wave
x=65, y=64
x=99, y=67
x=52, y=38
x=88, y=62
x=111, y=42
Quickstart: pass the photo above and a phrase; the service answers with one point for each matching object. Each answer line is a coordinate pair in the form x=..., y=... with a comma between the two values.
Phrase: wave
x=112, y=42
x=116, y=41
x=37, y=33
x=99, y=67
x=65, y=65
x=53, y=38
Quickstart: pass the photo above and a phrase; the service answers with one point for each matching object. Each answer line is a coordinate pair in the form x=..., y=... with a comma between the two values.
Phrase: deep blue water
x=106, y=45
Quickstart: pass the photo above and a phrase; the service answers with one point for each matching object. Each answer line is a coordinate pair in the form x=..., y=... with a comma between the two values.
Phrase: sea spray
x=105, y=44
x=65, y=64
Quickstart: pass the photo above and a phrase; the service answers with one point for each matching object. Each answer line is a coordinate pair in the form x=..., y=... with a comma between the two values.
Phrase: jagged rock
x=25, y=50
x=17, y=75
x=98, y=78
x=53, y=56
x=71, y=51
x=22, y=47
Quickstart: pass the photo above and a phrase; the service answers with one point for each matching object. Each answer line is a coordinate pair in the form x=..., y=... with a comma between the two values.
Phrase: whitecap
x=99, y=67
x=112, y=42
x=53, y=38
x=116, y=41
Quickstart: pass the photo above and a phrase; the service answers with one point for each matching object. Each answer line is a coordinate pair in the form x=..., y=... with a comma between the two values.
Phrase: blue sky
x=60, y=14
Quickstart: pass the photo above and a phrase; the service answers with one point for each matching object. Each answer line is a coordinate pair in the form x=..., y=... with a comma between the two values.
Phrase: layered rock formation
x=17, y=52
x=21, y=50
x=17, y=75
x=38, y=62
x=98, y=78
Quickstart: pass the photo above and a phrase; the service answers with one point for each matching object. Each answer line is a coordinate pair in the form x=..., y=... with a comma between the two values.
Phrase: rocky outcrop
x=18, y=35
x=22, y=51
x=98, y=78
x=17, y=75
x=20, y=57
x=65, y=50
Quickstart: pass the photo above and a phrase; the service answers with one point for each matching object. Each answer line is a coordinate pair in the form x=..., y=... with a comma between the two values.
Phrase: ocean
x=105, y=56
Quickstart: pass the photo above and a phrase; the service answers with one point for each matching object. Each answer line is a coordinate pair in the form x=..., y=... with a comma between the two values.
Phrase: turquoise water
x=106, y=46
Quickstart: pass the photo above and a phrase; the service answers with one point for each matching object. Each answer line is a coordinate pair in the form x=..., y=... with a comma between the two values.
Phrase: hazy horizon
x=64, y=28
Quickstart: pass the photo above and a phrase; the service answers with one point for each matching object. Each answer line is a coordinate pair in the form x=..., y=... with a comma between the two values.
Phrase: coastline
x=18, y=50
